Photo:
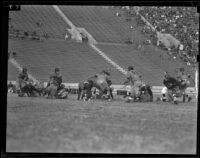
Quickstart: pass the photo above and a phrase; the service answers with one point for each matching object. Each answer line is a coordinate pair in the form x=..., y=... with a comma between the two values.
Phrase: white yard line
x=63, y=16
x=101, y=53
x=119, y=68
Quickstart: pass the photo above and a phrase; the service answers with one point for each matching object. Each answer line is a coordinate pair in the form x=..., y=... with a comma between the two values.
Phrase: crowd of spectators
x=180, y=22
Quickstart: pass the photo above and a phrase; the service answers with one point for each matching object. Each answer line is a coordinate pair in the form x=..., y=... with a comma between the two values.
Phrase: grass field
x=66, y=126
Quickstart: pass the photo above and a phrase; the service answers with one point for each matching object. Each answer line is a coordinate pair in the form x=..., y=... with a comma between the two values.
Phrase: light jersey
x=133, y=77
x=185, y=81
x=182, y=76
x=101, y=78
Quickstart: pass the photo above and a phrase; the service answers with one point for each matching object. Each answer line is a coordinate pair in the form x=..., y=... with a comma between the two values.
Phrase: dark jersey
x=23, y=76
x=170, y=83
x=55, y=79
x=109, y=82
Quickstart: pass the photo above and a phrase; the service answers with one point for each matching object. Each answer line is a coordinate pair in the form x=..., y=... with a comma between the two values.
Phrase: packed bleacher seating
x=180, y=22
x=110, y=31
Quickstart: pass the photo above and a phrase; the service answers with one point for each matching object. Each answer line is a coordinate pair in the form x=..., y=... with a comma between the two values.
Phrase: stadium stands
x=101, y=23
x=77, y=61
x=149, y=62
x=181, y=22
x=28, y=18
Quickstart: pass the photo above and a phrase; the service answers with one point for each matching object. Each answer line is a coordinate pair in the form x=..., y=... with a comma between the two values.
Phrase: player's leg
x=137, y=92
x=150, y=92
x=80, y=88
x=137, y=87
x=133, y=94
x=164, y=93
x=52, y=89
